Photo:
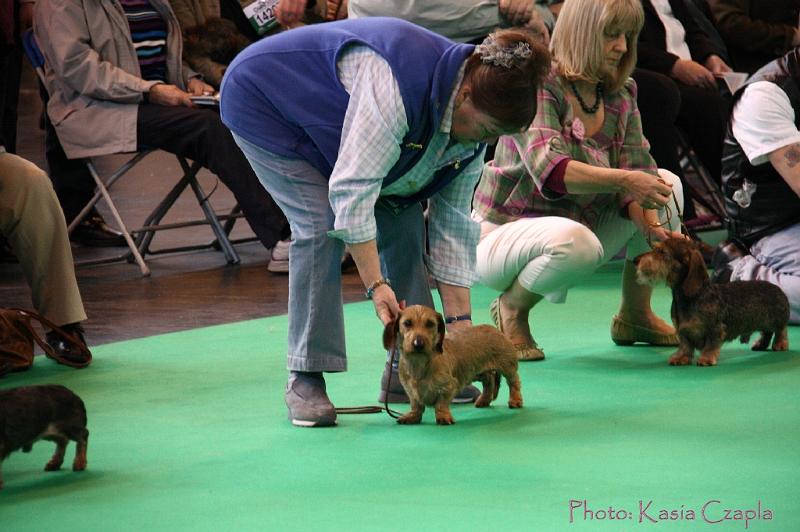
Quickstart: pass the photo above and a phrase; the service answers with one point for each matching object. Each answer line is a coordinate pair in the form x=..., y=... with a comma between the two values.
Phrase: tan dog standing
x=433, y=368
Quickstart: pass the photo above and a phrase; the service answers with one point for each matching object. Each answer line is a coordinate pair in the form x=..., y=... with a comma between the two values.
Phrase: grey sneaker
x=397, y=394
x=307, y=401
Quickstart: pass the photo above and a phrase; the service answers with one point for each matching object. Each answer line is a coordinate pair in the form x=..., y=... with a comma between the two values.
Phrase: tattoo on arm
x=792, y=155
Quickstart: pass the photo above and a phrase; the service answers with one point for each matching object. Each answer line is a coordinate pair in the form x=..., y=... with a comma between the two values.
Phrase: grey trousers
x=316, y=318
x=775, y=258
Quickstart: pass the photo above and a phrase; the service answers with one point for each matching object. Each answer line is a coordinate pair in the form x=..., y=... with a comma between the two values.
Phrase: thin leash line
x=668, y=222
x=376, y=409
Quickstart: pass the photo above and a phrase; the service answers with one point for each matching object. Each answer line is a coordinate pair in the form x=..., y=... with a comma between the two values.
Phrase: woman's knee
x=578, y=247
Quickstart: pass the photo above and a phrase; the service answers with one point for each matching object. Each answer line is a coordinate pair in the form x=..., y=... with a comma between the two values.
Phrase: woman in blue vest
x=349, y=125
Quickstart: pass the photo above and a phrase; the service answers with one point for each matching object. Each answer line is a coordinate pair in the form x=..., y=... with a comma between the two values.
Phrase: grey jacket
x=92, y=72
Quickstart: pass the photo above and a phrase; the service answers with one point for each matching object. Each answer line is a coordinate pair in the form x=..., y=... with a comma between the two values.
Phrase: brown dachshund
x=704, y=314
x=50, y=412
x=433, y=368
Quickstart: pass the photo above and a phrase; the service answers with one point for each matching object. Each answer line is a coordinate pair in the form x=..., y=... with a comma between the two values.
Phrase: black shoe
x=68, y=353
x=726, y=253
x=396, y=393
x=94, y=232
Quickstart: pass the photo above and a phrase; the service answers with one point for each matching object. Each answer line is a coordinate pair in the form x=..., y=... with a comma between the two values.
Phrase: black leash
x=376, y=409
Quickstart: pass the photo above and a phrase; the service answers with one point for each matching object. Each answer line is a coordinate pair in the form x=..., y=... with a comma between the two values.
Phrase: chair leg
x=115, y=214
x=222, y=238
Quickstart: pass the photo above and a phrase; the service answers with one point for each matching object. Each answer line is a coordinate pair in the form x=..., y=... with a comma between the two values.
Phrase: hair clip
x=492, y=52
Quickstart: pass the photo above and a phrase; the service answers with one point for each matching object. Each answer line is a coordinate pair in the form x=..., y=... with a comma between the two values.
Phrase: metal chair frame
x=139, y=239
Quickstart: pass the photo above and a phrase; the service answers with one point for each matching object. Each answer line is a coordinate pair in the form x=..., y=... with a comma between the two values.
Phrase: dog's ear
x=696, y=274
x=390, y=333
x=439, y=348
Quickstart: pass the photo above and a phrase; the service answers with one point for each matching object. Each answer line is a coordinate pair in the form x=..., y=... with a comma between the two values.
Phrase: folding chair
x=704, y=190
x=139, y=239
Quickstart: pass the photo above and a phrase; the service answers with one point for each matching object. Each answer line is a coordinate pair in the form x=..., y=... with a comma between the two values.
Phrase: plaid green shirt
x=512, y=186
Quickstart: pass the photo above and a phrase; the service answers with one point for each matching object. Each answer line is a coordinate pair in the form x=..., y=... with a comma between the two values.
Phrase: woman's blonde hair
x=580, y=33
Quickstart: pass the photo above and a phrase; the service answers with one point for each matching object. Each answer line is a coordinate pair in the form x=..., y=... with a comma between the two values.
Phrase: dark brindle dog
x=705, y=314
x=51, y=412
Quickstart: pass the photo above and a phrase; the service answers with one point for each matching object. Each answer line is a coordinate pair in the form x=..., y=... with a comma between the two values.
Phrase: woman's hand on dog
x=386, y=306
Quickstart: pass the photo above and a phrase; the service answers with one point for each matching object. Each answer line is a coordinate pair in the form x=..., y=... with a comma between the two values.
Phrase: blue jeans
x=316, y=319
x=775, y=258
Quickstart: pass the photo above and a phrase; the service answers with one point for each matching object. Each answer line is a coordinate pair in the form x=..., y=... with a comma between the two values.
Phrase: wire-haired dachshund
x=433, y=368
x=704, y=314
x=49, y=412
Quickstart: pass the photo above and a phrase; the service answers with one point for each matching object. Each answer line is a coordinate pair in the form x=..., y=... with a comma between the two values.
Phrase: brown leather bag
x=17, y=336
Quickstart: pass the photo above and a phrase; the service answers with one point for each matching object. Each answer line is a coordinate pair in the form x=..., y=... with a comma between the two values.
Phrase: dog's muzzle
x=418, y=343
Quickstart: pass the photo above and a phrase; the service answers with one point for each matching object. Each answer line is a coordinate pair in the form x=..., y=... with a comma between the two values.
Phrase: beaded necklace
x=598, y=91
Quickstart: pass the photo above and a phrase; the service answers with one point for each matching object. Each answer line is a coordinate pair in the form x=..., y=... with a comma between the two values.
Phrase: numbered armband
x=261, y=14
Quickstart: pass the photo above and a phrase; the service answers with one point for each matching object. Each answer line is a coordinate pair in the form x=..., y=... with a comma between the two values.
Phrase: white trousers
x=550, y=254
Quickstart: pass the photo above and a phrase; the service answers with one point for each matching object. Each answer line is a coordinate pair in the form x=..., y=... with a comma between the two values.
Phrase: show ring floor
x=189, y=432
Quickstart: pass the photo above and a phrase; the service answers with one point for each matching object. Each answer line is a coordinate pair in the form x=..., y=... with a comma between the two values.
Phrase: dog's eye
x=430, y=324
x=407, y=323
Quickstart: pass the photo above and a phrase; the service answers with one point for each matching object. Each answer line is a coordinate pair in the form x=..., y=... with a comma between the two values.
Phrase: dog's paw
x=679, y=359
x=515, y=403
x=707, y=361
x=79, y=465
x=445, y=419
x=780, y=345
x=409, y=419
x=483, y=402
x=52, y=465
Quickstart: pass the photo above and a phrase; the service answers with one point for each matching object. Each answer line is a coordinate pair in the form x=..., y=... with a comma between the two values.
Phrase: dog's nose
x=418, y=343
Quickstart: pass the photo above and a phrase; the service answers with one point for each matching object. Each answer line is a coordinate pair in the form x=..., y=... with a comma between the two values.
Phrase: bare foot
x=514, y=324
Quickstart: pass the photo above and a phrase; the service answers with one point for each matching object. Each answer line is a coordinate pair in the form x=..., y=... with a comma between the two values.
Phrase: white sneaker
x=279, y=260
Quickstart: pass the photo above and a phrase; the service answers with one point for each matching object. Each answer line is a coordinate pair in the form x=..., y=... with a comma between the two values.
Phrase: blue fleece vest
x=283, y=94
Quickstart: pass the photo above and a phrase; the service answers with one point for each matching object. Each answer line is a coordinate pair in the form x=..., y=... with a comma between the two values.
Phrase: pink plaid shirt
x=513, y=185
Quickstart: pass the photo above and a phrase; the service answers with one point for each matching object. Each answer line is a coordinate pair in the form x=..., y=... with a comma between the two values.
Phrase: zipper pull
x=414, y=146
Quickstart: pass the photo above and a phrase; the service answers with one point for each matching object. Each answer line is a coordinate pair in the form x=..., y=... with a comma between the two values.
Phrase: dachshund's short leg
x=781, y=342
x=683, y=356
x=414, y=416
x=762, y=344
x=709, y=355
x=489, y=392
x=58, y=457
x=514, y=389
x=443, y=415
x=81, y=437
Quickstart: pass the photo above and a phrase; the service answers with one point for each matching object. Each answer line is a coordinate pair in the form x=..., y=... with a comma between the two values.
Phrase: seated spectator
x=210, y=40
x=565, y=196
x=32, y=222
x=460, y=20
x=671, y=43
x=293, y=13
x=757, y=32
x=377, y=133
x=115, y=91
x=15, y=18
x=761, y=181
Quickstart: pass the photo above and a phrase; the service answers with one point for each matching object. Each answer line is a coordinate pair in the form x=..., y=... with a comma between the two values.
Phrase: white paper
x=734, y=80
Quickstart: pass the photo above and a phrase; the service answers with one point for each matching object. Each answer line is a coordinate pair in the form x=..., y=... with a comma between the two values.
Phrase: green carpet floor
x=189, y=432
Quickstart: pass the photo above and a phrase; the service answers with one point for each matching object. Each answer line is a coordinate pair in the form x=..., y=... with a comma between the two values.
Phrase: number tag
x=261, y=15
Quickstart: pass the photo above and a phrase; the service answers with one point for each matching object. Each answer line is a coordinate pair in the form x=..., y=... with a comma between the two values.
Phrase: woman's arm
x=645, y=189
